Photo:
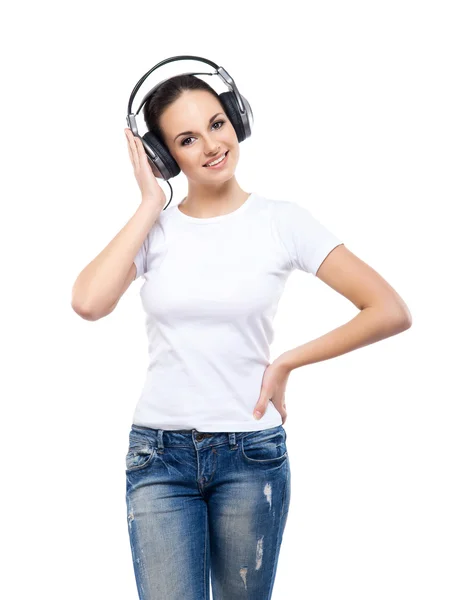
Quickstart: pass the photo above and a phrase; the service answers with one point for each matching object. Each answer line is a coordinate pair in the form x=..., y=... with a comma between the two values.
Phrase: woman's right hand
x=144, y=174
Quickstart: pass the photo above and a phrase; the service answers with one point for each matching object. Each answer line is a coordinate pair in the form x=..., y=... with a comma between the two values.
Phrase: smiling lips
x=223, y=159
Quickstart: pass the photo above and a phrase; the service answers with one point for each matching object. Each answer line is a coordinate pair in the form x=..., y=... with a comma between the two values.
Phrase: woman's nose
x=211, y=148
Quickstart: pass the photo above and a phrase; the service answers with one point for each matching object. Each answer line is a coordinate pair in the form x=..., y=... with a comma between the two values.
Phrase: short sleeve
x=141, y=258
x=307, y=241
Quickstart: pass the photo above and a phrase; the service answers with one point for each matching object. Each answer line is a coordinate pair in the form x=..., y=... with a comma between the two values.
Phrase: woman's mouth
x=220, y=164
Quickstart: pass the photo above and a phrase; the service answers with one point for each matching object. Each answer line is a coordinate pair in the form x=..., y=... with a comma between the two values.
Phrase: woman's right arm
x=100, y=285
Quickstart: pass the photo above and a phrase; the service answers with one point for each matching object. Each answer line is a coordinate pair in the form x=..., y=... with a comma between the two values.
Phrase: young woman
x=207, y=478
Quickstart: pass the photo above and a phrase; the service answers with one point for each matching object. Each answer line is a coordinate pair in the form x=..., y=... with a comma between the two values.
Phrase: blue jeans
x=206, y=505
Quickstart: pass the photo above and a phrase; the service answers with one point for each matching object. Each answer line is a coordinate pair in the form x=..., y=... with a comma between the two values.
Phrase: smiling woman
x=188, y=117
x=214, y=269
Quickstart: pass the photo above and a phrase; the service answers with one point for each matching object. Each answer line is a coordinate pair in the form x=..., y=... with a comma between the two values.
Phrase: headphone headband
x=164, y=62
x=222, y=74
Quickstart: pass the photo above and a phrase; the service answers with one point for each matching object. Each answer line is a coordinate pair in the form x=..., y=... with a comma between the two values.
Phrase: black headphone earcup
x=229, y=102
x=171, y=166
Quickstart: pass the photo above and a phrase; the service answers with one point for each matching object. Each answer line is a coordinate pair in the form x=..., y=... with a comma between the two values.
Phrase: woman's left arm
x=382, y=314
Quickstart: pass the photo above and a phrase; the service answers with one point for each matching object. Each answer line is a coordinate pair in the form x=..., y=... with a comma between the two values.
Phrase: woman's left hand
x=273, y=388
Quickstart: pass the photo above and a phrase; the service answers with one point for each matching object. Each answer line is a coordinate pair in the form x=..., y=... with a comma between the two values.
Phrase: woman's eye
x=189, y=138
x=216, y=122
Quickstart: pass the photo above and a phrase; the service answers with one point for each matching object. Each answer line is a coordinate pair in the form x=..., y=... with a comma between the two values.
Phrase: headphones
x=236, y=107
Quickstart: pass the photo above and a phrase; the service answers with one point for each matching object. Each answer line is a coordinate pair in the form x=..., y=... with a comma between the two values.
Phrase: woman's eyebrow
x=188, y=132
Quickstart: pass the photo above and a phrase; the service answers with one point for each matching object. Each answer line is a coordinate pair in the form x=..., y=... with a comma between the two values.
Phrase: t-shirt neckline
x=218, y=218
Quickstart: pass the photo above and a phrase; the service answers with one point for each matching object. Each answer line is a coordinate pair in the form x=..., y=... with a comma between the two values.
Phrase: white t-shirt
x=210, y=293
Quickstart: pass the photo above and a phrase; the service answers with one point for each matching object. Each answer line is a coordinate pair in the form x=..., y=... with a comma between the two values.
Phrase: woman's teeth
x=212, y=164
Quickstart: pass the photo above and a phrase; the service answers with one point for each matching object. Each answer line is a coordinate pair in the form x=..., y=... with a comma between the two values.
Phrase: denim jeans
x=204, y=506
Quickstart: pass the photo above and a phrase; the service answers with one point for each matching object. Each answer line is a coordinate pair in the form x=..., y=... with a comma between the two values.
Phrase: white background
x=352, y=107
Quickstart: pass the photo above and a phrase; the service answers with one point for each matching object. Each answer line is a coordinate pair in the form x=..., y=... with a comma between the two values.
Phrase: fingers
x=132, y=147
x=141, y=151
x=137, y=152
x=145, y=162
x=131, y=155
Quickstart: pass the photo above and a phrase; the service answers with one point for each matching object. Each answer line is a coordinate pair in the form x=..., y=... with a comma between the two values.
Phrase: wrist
x=284, y=362
x=151, y=205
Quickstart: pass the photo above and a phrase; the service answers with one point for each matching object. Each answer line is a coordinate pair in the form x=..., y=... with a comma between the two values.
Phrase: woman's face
x=208, y=139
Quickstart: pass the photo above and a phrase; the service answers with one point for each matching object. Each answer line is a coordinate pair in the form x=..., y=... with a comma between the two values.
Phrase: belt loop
x=232, y=441
x=160, y=441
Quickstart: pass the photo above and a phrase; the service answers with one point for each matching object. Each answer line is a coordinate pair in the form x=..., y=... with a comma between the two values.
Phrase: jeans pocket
x=265, y=446
x=140, y=453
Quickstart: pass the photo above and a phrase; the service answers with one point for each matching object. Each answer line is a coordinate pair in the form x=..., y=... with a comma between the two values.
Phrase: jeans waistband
x=189, y=437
